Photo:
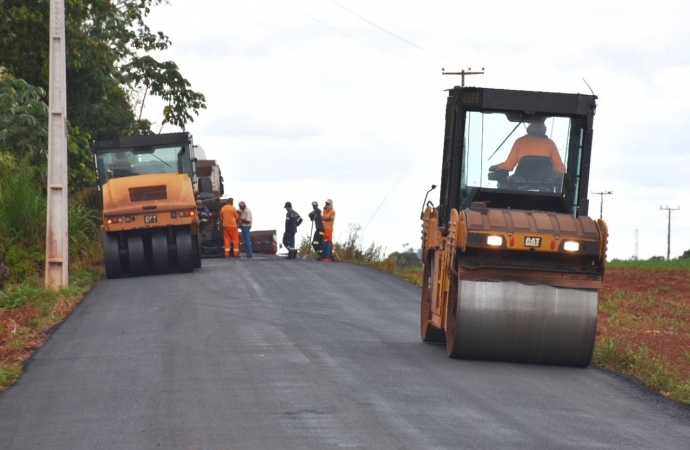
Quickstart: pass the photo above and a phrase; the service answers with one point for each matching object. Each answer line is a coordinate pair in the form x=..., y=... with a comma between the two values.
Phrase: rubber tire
x=111, y=254
x=197, y=252
x=137, y=257
x=430, y=334
x=159, y=252
x=185, y=254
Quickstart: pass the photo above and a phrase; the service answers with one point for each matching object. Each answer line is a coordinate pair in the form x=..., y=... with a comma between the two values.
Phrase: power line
x=386, y=31
x=393, y=187
x=344, y=34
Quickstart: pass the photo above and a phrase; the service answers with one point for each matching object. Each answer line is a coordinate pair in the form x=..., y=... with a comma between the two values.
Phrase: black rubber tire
x=137, y=256
x=159, y=252
x=430, y=334
x=197, y=252
x=111, y=254
x=185, y=253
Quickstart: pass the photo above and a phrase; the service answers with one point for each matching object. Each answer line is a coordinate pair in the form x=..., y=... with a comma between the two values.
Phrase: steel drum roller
x=510, y=321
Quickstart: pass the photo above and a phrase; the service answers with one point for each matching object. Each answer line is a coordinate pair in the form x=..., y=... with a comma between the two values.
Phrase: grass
x=643, y=364
x=652, y=263
x=31, y=310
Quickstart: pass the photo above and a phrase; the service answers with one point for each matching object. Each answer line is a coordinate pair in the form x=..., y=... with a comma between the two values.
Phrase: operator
x=121, y=166
x=534, y=143
x=328, y=220
x=292, y=221
x=230, y=219
x=316, y=218
x=246, y=226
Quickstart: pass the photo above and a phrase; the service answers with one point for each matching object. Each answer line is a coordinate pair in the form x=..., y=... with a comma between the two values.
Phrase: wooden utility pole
x=668, y=247
x=601, y=204
x=57, y=250
x=462, y=73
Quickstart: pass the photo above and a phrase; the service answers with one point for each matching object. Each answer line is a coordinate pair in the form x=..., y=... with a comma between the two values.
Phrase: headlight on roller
x=571, y=246
x=495, y=241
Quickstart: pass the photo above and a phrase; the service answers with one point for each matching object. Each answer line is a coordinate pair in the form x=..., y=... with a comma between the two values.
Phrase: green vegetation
x=109, y=76
x=643, y=364
x=405, y=264
x=652, y=263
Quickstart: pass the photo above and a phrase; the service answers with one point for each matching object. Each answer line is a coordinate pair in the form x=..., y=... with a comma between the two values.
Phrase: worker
x=230, y=219
x=292, y=221
x=246, y=226
x=534, y=143
x=317, y=221
x=203, y=213
x=328, y=221
x=121, y=166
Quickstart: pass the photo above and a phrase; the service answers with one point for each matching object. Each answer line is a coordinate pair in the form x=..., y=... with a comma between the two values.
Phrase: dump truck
x=149, y=213
x=512, y=262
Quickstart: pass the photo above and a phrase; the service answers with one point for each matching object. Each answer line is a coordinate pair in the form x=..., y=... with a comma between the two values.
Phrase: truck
x=512, y=262
x=149, y=216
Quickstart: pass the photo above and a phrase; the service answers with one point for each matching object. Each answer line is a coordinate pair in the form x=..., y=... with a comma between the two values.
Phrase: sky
x=316, y=99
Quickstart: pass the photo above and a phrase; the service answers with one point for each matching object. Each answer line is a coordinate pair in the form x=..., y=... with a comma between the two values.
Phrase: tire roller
x=512, y=270
x=150, y=224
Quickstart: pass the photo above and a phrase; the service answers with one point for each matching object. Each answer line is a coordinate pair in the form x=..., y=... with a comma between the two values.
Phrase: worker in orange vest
x=534, y=143
x=328, y=217
x=230, y=218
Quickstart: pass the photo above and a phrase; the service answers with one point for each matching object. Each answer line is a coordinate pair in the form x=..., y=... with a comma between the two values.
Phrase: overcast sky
x=316, y=99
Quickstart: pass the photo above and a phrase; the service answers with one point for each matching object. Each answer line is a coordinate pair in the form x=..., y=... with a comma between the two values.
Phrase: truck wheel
x=159, y=250
x=185, y=254
x=137, y=258
x=111, y=253
x=430, y=333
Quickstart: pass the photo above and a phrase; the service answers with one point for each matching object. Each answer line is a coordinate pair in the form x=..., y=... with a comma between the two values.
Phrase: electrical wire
x=340, y=32
x=386, y=31
x=393, y=187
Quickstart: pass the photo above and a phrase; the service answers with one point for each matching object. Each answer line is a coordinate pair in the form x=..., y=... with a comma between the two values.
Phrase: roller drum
x=511, y=321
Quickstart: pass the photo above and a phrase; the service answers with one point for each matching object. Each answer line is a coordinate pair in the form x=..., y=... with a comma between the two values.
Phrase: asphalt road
x=277, y=354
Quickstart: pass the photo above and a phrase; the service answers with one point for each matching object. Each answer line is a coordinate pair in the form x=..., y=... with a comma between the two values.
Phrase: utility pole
x=601, y=205
x=57, y=251
x=636, y=255
x=462, y=73
x=668, y=247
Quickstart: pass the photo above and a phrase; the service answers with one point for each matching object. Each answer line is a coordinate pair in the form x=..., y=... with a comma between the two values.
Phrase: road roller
x=512, y=262
x=150, y=221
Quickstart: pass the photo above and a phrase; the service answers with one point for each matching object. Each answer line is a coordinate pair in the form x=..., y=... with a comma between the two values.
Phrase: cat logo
x=532, y=241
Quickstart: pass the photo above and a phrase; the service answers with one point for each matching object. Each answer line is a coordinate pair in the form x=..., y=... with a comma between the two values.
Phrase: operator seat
x=535, y=173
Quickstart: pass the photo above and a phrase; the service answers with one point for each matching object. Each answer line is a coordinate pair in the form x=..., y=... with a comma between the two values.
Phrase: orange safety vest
x=328, y=217
x=533, y=146
x=229, y=216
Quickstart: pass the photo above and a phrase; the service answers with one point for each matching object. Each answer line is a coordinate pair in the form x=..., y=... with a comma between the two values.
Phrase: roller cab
x=513, y=263
x=150, y=223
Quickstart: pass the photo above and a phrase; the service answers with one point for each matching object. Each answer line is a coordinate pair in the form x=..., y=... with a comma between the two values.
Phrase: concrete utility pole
x=668, y=247
x=462, y=73
x=57, y=250
x=601, y=205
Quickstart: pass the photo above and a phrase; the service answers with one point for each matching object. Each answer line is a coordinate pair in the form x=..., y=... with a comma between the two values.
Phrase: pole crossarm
x=462, y=73
x=601, y=204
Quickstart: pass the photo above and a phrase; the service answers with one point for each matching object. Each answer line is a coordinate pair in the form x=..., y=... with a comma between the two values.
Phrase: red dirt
x=23, y=330
x=648, y=308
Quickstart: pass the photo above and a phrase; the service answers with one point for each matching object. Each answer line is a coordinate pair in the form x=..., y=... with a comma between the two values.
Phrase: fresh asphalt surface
x=280, y=354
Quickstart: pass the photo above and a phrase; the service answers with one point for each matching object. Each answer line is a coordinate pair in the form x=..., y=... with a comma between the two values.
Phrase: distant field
x=674, y=264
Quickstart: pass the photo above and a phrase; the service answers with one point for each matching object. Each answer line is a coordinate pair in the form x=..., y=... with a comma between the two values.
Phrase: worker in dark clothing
x=292, y=221
x=204, y=215
x=317, y=219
